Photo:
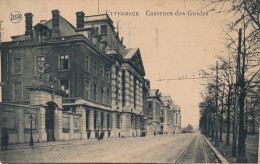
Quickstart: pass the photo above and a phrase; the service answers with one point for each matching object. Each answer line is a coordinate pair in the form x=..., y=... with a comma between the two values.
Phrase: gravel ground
x=151, y=149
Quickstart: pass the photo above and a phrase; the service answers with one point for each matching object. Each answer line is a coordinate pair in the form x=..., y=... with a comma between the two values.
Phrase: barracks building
x=63, y=82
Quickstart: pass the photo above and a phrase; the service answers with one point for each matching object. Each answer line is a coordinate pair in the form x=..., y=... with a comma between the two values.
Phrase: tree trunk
x=241, y=147
x=253, y=123
x=228, y=114
x=208, y=131
x=212, y=130
x=221, y=116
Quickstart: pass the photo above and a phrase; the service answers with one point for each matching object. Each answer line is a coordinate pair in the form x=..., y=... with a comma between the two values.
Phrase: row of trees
x=231, y=101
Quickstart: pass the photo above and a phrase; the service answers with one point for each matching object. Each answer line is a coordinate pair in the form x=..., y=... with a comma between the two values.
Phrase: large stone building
x=73, y=81
x=170, y=116
x=152, y=112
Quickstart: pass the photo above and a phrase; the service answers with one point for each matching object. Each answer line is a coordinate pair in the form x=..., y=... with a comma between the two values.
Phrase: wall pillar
x=126, y=122
x=71, y=126
x=132, y=94
x=42, y=130
x=141, y=109
x=91, y=123
x=113, y=87
x=81, y=110
x=126, y=106
x=114, y=130
x=20, y=128
x=137, y=95
x=120, y=92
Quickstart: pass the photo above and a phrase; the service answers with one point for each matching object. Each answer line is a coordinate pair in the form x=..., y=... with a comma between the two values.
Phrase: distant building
x=76, y=81
x=170, y=116
x=152, y=112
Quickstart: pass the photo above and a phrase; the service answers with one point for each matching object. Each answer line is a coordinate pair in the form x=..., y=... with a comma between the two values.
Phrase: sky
x=185, y=43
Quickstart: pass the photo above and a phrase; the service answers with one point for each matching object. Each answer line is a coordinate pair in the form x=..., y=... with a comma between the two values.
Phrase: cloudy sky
x=186, y=43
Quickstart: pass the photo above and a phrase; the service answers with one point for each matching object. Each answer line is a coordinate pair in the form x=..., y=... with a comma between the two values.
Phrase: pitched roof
x=130, y=53
x=66, y=29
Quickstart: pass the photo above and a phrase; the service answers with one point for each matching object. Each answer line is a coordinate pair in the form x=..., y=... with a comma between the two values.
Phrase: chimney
x=80, y=19
x=28, y=24
x=55, y=23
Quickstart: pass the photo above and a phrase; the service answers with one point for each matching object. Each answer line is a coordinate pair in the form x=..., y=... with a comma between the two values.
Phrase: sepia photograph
x=129, y=81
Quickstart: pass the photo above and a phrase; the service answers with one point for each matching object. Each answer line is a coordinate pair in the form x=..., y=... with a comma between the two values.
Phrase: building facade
x=152, y=112
x=170, y=116
x=77, y=82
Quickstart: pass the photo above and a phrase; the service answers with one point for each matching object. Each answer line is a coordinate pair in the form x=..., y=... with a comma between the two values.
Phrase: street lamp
x=31, y=138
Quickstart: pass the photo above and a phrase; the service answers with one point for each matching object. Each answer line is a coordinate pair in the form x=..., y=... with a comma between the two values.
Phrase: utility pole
x=234, y=144
x=216, y=127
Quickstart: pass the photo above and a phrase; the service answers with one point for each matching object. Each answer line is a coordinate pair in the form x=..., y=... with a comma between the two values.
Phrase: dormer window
x=42, y=35
x=103, y=29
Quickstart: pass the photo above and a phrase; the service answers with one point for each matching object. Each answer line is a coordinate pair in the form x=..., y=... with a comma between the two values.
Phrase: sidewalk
x=13, y=147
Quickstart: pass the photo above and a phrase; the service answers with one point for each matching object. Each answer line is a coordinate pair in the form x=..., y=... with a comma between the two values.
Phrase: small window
x=95, y=92
x=102, y=72
x=103, y=29
x=64, y=85
x=102, y=94
x=87, y=89
x=40, y=63
x=17, y=67
x=64, y=62
x=87, y=63
x=162, y=119
x=94, y=67
x=150, y=105
x=108, y=75
x=108, y=92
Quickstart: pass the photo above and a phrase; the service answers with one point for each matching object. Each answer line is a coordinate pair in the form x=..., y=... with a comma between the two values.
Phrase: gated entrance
x=49, y=120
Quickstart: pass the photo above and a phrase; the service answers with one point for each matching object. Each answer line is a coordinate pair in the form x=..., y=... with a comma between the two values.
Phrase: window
x=87, y=119
x=108, y=120
x=64, y=85
x=17, y=66
x=150, y=105
x=87, y=63
x=87, y=89
x=102, y=72
x=123, y=86
x=102, y=120
x=103, y=29
x=108, y=92
x=118, y=120
x=40, y=63
x=102, y=94
x=94, y=67
x=65, y=123
x=117, y=90
x=95, y=119
x=162, y=119
x=64, y=62
x=135, y=93
x=95, y=92
x=108, y=75
x=18, y=92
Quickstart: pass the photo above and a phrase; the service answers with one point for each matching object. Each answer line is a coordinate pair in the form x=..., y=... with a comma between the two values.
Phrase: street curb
x=219, y=156
x=53, y=145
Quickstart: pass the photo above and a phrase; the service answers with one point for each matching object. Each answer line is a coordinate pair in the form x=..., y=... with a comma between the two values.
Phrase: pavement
x=150, y=149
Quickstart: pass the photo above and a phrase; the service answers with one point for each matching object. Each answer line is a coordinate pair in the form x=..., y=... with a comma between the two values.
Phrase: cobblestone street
x=137, y=149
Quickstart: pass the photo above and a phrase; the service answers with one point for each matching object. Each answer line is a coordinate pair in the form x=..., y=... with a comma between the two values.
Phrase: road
x=176, y=148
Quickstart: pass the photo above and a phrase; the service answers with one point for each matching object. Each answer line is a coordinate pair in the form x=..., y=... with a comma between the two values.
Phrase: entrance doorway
x=49, y=120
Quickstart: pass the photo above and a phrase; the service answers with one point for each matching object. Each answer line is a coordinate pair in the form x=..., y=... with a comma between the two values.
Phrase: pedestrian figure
x=4, y=140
